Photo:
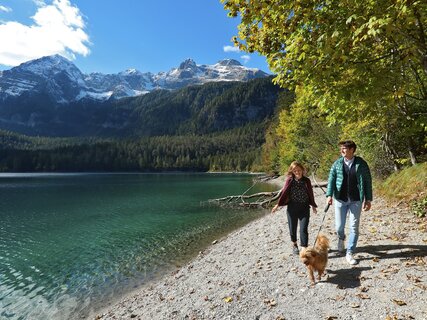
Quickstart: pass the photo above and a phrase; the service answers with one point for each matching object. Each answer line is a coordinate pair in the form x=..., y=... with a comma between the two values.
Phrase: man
x=350, y=184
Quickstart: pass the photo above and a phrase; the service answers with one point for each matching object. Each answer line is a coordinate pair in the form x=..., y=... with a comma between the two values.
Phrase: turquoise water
x=70, y=243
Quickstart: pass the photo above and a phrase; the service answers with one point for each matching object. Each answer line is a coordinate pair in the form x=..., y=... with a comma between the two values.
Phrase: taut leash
x=321, y=224
x=325, y=211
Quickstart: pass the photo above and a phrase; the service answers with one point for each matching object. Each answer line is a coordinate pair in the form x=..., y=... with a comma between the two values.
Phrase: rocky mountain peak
x=50, y=66
x=187, y=64
x=229, y=62
x=131, y=72
x=49, y=62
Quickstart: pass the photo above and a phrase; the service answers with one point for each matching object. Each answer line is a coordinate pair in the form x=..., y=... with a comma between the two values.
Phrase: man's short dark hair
x=349, y=144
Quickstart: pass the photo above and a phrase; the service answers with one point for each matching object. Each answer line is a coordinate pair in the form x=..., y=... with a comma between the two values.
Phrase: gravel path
x=252, y=274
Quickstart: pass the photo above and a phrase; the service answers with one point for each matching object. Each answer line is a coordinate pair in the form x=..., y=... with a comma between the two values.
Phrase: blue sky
x=110, y=36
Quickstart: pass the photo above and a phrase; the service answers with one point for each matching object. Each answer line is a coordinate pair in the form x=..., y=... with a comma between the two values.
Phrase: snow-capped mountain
x=59, y=80
x=54, y=75
x=189, y=73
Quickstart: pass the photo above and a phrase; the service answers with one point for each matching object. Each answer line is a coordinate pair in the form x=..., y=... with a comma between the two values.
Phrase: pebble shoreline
x=252, y=274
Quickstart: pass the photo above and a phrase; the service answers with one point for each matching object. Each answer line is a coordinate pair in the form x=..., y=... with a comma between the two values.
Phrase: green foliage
x=271, y=155
x=419, y=207
x=304, y=135
x=356, y=62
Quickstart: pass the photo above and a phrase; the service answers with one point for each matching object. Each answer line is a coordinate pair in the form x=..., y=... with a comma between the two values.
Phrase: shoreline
x=251, y=273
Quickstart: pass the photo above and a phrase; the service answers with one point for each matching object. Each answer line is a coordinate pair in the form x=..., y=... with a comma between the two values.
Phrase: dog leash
x=326, y=208
x=321, y=224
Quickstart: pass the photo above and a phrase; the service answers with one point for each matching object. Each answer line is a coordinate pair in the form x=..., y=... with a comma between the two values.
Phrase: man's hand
x=314, y=209
x=329, y=200
x=366, y=205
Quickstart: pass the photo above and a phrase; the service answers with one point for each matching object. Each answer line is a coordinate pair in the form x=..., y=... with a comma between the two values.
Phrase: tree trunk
x=413, y=158
x=390, y=151
x=411, y=152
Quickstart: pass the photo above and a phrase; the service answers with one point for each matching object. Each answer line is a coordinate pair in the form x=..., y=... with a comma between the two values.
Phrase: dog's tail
x=322, y=242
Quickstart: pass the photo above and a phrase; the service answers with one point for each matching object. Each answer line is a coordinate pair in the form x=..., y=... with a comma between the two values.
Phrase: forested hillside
x=200, y=109
x=233, y=150
x=217, y=126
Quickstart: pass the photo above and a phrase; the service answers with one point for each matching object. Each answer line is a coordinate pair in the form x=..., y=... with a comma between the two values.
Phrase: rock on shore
x=252, y=274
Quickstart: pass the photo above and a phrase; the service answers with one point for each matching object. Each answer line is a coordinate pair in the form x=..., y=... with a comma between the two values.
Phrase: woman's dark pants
x=298, y=211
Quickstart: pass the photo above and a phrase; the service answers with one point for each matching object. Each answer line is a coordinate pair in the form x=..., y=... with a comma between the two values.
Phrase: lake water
x=70, y=243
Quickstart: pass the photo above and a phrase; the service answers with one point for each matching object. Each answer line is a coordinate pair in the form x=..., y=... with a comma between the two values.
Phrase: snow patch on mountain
x=61, y=80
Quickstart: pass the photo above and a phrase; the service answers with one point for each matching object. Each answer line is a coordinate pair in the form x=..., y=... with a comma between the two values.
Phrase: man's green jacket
x=363, y=175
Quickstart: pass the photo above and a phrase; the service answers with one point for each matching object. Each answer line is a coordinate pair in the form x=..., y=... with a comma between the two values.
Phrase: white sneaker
x=340, y=246
x=350, y=259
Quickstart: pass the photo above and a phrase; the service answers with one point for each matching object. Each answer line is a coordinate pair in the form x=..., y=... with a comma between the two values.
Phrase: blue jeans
x=354, y=209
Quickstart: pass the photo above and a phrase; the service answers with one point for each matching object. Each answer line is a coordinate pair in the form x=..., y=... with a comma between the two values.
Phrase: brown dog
x=316, y=258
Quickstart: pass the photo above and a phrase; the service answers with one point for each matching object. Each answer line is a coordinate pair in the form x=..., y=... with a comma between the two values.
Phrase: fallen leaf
x=363, y=296
x=399, y=302
x=331, y=318
x=355, y=305
x=413, y=278
x=228, y=299
x=390, y=270
x=376, y=259
x=421, y=286
x=420, y=261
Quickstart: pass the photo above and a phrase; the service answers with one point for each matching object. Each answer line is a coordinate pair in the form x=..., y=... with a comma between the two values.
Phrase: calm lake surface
x=70, y=243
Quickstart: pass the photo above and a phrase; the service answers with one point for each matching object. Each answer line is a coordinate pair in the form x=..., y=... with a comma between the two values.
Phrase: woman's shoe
x=295, y=250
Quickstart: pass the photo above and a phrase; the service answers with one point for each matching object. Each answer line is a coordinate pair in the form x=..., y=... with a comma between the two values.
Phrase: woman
x=298, y=195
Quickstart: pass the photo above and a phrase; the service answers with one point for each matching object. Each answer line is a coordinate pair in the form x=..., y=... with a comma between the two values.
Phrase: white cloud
x=245, y=58
x=58, y=28
x=39, y=3
x=231, y=49
x=5, y=9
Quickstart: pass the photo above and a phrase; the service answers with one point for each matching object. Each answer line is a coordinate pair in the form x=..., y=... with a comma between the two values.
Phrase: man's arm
x=367, y=180
x=331, y=181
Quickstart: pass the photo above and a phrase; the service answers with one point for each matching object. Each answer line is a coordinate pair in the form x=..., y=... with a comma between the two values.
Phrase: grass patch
x=408, y=185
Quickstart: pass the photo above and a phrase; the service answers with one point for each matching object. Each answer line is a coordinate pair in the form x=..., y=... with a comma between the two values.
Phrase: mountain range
x=59, y=80
x=51, y=97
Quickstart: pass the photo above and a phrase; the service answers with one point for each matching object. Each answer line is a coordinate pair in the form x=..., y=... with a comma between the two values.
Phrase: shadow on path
x=346, y=278
x=393, y=251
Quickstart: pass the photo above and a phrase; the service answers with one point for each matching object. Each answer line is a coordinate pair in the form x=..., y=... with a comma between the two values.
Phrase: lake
x=71, y=243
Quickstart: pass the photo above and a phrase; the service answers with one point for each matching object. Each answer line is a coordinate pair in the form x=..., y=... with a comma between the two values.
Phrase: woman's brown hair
x=295, y=164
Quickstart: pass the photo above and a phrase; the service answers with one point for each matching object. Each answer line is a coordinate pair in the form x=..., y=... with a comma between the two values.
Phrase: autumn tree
x=360, y=63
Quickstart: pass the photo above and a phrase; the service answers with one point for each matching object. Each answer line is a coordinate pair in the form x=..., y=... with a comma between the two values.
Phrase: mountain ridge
x=63, y=82
x=195, y=109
